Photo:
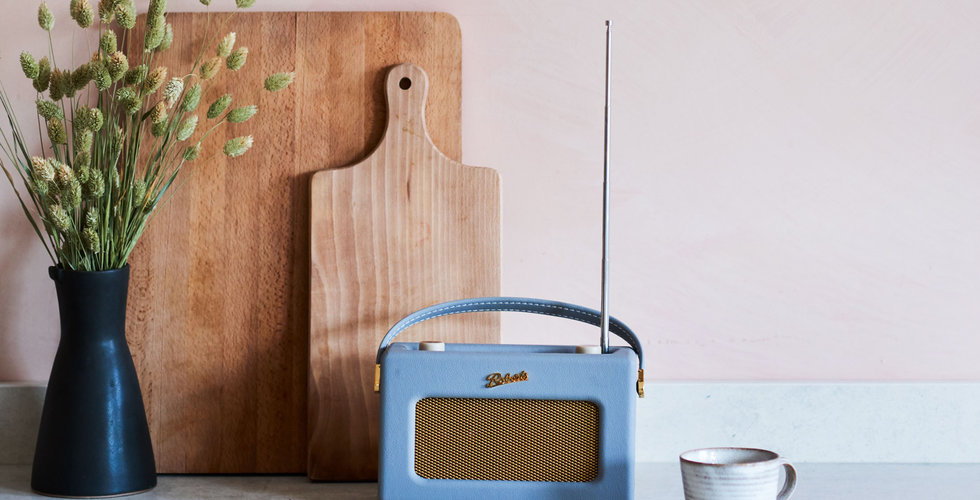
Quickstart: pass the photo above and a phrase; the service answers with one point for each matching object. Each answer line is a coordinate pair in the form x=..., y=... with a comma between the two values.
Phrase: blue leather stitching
x=472, y=307
x=533, y=306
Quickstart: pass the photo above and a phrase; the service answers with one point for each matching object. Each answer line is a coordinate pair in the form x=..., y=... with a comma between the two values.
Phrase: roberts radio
x=476, y=421
x=519, y=421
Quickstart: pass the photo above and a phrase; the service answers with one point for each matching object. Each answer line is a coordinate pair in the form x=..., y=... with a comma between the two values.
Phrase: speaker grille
x=506, y=439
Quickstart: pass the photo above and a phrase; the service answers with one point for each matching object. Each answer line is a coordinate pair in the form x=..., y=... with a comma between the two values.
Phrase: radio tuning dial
x=432, y=346
x=588, y=349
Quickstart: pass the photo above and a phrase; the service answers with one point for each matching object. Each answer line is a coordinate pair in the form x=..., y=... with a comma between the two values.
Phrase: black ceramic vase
x=94, y=440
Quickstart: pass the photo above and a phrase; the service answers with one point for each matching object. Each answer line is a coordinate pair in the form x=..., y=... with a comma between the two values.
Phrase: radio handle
x=515, y=304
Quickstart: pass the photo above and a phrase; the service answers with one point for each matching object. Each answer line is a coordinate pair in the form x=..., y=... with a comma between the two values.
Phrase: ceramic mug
x=743, y=473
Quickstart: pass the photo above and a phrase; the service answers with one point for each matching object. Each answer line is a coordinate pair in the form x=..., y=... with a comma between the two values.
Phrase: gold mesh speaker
x=506, y=439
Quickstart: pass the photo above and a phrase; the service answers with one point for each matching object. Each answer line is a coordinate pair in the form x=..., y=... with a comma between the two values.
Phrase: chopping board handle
x=406, y=88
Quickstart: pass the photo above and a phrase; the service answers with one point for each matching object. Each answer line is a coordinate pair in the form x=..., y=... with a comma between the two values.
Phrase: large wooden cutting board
x=219, y=303
x=405, y=228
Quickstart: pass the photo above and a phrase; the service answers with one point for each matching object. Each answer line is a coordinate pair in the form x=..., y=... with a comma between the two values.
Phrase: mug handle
x=790, y=483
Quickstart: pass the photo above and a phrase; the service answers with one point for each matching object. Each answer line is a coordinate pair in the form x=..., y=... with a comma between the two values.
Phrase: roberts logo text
x=495, y=379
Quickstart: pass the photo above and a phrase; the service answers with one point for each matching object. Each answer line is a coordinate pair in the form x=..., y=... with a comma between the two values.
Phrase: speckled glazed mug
x=730, y=473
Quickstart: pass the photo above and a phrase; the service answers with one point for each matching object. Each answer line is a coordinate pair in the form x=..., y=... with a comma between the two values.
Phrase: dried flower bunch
x=116, y=133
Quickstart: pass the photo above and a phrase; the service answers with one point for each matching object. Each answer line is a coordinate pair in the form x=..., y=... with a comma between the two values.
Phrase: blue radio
x=511, y=421
x=520, y=421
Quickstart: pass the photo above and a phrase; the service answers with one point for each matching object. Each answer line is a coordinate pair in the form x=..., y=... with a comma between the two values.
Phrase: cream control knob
x=430, y=345
x=587, y=349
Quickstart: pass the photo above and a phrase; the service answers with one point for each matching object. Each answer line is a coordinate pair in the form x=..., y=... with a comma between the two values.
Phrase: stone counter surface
x=655, y=481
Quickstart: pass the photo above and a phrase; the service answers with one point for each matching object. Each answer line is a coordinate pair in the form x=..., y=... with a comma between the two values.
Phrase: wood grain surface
x=219, y=307
x=405, y=228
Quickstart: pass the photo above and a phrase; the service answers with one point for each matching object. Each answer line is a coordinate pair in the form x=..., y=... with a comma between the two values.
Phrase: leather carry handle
x=515, y=304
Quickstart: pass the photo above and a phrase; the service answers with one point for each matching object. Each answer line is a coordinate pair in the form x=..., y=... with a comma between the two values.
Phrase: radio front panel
x=517, y=420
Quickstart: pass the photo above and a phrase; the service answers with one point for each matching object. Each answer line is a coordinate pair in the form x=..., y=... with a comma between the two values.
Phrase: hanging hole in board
x=405, y=83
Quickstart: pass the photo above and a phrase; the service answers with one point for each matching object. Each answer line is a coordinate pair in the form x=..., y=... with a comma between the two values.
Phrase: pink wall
x=795, y=183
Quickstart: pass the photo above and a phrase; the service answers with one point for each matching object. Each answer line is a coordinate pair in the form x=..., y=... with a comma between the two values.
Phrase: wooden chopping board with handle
x=405, y=228
x=219, y=306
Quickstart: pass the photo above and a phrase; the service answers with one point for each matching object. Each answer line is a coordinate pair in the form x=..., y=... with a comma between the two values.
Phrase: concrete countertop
x=655, y=481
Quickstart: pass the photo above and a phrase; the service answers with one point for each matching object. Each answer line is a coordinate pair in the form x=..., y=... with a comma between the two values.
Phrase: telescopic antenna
x=604, y=309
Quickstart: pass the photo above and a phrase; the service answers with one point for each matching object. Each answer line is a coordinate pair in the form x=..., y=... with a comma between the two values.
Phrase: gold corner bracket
x=639, y=382
x=377, y=377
